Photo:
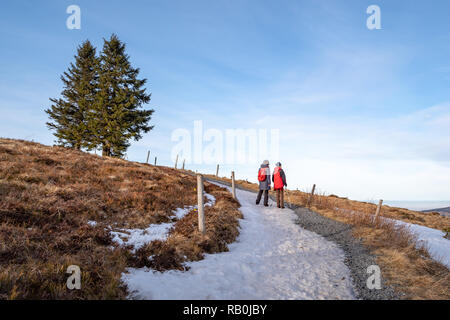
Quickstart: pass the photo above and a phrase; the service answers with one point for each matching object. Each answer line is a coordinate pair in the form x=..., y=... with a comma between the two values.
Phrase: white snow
x=92, y=223
x=211, y=200
x=140, y=237
x=437, y=245
x=273, y=258
x=181, y=212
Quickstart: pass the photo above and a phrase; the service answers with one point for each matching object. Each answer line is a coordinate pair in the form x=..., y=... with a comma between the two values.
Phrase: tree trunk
x=106, y=152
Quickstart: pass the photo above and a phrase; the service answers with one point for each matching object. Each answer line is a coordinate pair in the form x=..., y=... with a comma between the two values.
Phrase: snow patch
x=211, y=200
x=92, y=223
x=433, y=239
x=139, y=237
x=179, y=213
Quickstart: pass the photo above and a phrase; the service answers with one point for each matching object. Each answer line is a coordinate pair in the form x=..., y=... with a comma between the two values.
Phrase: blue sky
x=361, y=113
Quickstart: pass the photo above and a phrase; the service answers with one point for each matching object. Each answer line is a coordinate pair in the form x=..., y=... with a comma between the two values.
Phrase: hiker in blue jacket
x=264, y=182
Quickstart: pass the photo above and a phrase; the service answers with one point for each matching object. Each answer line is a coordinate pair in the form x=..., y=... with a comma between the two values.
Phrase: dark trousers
x=266, y=197
x=280, y=198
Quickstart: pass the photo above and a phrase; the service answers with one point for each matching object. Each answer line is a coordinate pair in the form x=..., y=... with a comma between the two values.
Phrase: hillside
x=447, y=209
x=442, y=211
x=61, y=207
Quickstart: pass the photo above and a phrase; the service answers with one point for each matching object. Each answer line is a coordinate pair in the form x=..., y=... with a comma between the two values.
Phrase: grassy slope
x=47, y=196
x=404, y=263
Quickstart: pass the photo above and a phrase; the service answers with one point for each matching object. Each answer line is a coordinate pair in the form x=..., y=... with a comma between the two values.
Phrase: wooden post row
x=233, y=186
x=183, y=163
x=217, y=171
x=201, y=213
x=176, y=162
x=148, y=155
x=155, y=160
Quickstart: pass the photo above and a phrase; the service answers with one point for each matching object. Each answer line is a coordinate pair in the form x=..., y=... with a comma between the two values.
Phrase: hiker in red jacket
x=279, y=182
x=264, y=182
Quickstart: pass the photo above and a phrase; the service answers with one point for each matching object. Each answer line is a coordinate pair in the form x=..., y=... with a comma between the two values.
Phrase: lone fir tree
x=118, y=116
x=69, y=114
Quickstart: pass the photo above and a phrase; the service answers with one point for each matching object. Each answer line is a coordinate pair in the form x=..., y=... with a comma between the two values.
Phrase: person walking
x=279, y=182
x=264, y=183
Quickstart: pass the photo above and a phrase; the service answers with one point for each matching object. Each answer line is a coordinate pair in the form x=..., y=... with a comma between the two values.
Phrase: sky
x=360, y=113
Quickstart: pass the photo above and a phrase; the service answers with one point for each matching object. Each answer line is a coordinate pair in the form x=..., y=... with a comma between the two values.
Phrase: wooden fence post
x=148, y=155
x=217, y=171
x=176, y=162
x=233, y=185
x=311, y=195
x=377, y=213
x=183, y=163
x=155, y=160
x=200, y=210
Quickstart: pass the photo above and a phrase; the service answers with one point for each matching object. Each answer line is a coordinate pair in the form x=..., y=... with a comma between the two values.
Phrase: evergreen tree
x=69, y=114
x=118, y=113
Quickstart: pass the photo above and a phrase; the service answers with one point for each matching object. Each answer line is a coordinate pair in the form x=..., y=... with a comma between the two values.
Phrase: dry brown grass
x=331, y=202
x=405, y=263
x=47, y=196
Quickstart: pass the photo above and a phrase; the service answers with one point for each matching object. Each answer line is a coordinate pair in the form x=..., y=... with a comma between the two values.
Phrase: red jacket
x=278, y=178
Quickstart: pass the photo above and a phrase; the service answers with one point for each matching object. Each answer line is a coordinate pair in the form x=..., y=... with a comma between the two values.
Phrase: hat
x=265, y=162
x=278, y=164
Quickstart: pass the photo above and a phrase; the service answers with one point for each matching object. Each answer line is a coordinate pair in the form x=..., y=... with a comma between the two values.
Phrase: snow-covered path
x=273, y=258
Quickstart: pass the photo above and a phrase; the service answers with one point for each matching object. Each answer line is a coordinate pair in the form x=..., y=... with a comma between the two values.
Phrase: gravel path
x=357, y=256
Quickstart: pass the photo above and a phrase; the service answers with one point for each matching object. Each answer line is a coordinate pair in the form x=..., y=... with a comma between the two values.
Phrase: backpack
x=262, y=174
